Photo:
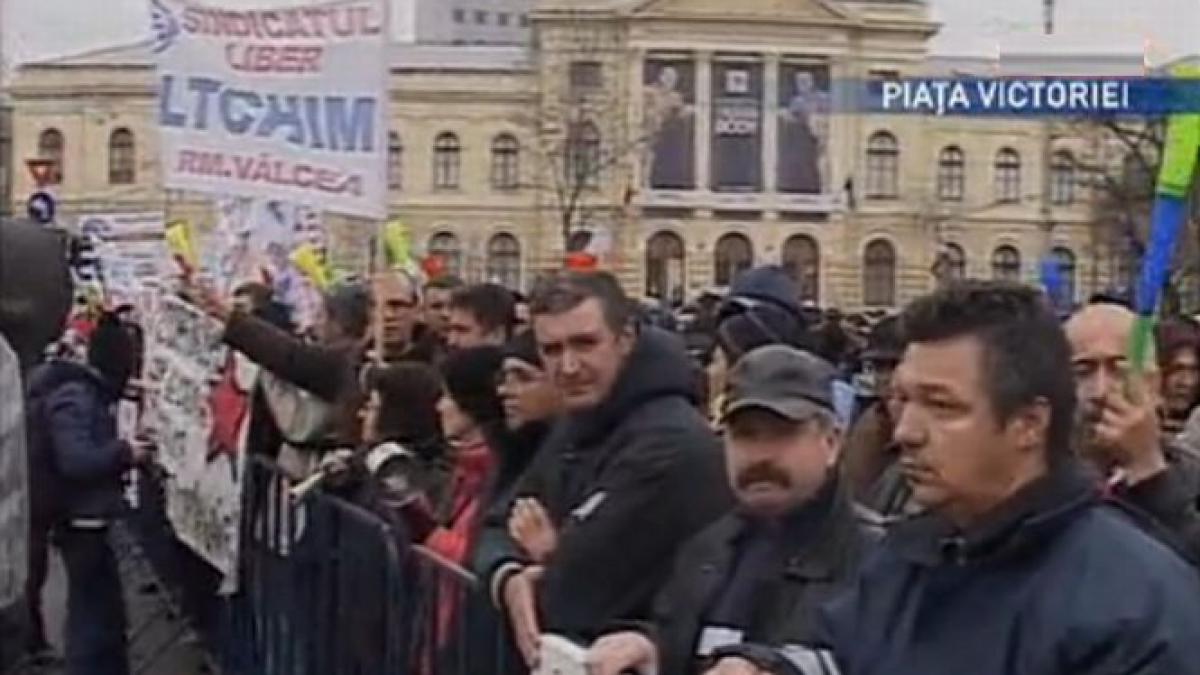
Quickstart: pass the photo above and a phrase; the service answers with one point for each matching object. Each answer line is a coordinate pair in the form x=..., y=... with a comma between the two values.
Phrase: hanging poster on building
x=670, y=123
x=804, y=109
x=737, y=126
x=193, y=419
x=285, y=103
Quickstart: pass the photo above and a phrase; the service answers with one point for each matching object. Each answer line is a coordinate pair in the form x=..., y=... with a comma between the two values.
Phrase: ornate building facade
x=689, y=139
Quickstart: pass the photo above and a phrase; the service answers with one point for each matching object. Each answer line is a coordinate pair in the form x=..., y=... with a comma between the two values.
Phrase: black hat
x=784, y=380
x=884, y=342
x=524, y=347
x=470, y=376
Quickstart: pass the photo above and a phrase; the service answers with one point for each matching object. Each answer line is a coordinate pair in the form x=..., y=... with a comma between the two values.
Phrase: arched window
x=583, y=156
x=664, y=267
x=445, y=246
x=1066, y=272
x=732, y=255
x=51, y=146
x=447, y=159
x=395, y=161
x=1006, y=264
x=883, y=160
x=956, y=261
x=802, y=260
x=951, y=174
x=504, y=261
x=506, y=162
x=122, y=158
x=1062, y=178
x=1008, y=176
x=879, y=274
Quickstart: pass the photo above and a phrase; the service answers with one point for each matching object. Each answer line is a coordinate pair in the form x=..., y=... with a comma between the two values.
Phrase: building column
x=703, y=120
x=770, y=129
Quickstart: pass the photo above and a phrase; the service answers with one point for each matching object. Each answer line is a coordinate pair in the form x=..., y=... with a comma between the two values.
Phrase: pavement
x=160, y=642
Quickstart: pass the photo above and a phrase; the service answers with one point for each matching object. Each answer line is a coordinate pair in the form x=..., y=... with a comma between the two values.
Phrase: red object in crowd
x=433, y=266
x=581, y=261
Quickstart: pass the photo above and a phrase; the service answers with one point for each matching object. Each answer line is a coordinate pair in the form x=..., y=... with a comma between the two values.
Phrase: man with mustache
x=1017, y=566
x=745, y=592
x=1119, y=433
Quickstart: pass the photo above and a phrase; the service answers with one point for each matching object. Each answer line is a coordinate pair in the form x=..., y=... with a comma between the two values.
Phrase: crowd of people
x=974, y=485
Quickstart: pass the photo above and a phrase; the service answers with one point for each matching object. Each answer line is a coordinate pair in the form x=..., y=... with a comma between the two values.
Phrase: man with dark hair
x=436, y=305
x=628, y=474
x=328, y=369
x=1016, y=566
x=745, y=592
x=480, y=315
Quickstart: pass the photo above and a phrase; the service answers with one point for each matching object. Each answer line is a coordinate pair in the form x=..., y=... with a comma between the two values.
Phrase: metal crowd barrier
x=326, y=588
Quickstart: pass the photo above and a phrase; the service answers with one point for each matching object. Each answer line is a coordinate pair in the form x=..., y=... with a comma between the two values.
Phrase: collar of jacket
x=812, y=536
x=657, y=367
x=1026, y=520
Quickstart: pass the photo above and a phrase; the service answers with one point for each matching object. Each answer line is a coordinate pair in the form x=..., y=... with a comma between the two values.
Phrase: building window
x=664, y=267
x=446, y=161
x=460, y=16
x=1006, y=264
x=481, y=17
x=951, y=264
x=506, y=162
x=586, y=75
x=879, y=274
x=502, y=19
x=583, y=156
x=504, y=261
x=445, y=246
x=1008, y=176
x=732, y=255
x=50, y=146
x=122, y=158
x=524, y=21
x=802, y=260
x=951, y=175
x=1066, y=272
x=395, y=161
x=883, y=157
x=1062, y=178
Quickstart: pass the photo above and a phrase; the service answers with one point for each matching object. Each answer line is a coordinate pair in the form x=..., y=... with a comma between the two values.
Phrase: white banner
x=188, y=407
x=286, y=103
x=122, y=226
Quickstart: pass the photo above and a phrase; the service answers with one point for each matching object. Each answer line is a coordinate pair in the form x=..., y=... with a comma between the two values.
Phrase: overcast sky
x=34, y=29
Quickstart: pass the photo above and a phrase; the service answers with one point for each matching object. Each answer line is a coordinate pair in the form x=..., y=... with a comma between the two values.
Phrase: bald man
x=1119, y=433
x=397, y=306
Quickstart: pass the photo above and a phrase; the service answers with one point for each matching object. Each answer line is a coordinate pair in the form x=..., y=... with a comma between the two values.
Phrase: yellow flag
x=181, y=243
x=308, y=261
x=396, y=245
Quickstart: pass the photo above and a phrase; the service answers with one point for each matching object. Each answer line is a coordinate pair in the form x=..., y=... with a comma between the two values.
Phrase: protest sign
x=187, y=367
x=286, y=103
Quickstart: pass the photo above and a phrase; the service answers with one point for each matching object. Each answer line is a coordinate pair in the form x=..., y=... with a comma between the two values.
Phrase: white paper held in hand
x=560, y=656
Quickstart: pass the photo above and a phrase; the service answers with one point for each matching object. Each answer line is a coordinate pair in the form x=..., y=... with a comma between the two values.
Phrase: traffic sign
x=42, y=170
x=41, y=208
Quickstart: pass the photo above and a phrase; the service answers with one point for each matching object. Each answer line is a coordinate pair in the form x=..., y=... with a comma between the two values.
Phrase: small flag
x=182, y=245
x=308, y=261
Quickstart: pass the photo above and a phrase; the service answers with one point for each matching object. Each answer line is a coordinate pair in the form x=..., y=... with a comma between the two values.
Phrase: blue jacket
x=76, y=458
x=1055, y=584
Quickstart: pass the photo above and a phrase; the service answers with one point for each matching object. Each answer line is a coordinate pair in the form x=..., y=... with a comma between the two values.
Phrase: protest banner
x=286, y=103
x=188, y=372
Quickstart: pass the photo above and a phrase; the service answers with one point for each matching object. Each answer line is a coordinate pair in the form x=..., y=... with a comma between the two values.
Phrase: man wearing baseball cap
x=744, y=592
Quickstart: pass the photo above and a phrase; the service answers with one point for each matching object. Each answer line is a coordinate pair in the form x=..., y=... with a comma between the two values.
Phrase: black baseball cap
x=784, y=380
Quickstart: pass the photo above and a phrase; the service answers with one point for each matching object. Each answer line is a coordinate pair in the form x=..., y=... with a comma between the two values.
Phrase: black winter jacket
x=625, y=484
x=1054, y=583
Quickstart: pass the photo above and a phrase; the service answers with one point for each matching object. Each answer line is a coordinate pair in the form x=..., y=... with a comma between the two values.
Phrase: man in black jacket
x=745, y=592
x=629, y=474
x=1017, y=566
x=1119, y=431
